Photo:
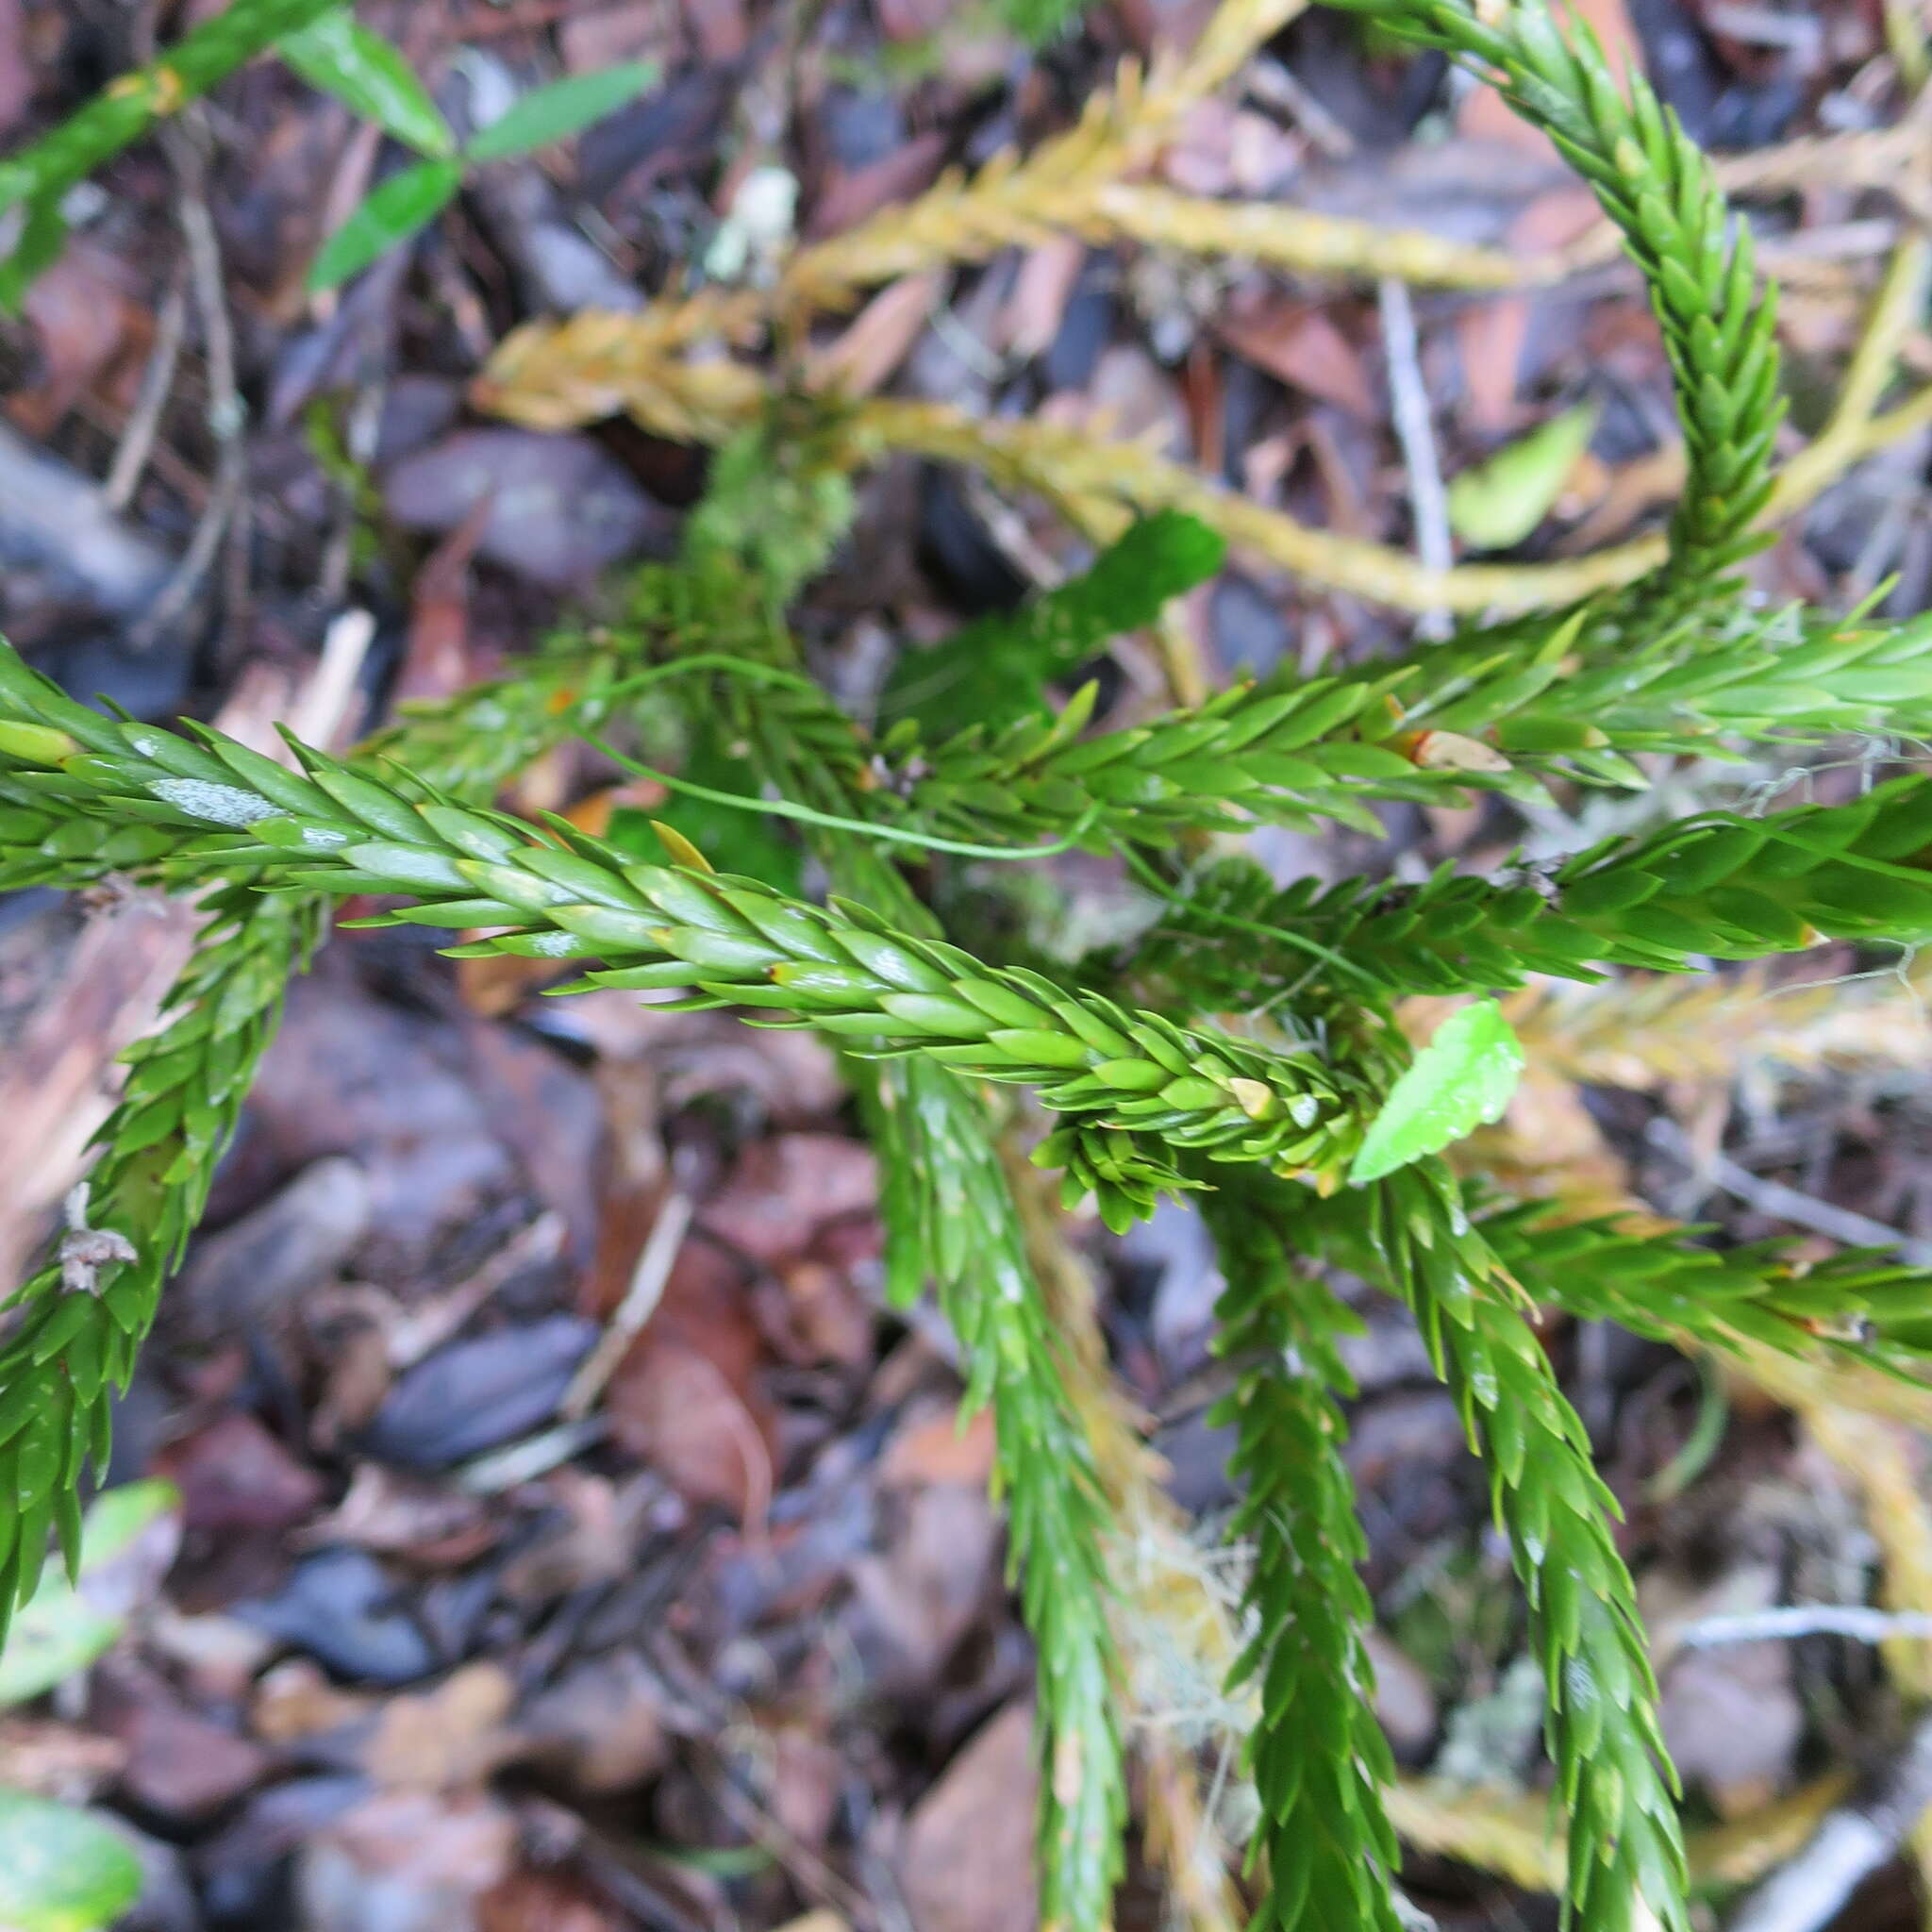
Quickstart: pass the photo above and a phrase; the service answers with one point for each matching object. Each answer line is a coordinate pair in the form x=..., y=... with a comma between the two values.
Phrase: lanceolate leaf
x=565, y=106
x=1463, y=1078
x=1500, y=502
x=402, y=205
x=362, y=70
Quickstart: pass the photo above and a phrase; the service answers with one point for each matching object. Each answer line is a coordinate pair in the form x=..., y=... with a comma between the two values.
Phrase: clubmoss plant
x=1248, y=1049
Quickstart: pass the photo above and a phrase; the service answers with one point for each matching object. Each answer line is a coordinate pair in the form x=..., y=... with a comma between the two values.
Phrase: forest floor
x=436, y=1635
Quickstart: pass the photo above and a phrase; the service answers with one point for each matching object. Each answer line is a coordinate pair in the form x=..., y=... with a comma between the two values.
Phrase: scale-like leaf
x=129, y=1539
x=1463, y=1078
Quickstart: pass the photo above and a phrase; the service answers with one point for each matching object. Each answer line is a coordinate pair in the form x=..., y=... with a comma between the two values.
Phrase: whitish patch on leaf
x=61, y=1870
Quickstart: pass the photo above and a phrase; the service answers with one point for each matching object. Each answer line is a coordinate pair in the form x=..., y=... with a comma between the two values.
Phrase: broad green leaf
x=1463, y=1078
x=397, y=210
x=998, y=669
x=128, y=1540
x=62, y=1869
x=1037, y=22
x=549, y=113
x=363, y=71
x=1500, y=502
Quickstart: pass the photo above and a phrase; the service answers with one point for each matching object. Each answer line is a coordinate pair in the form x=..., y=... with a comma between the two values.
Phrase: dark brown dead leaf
x=530, y=1901
x=437, y=1527
x=815, y=1312
x=867, y=352
x=1299, y=344
x=234, y=1474
x=180, y=1765
x=86, y=326
x=847, y=199
x=935, y=1447
x=935, y=1578
x=436, y=660
x=600, y=1727
x=1034, y=311
x=16, y=72
x=405, y=1861
x=1490, y=336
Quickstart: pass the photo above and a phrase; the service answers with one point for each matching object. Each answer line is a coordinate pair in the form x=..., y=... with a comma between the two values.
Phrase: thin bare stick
x=639, y=1304
x=1787, y=1204
x=226, y=414
x=1415, y=430
x=156, y=385
x=1851, y=1844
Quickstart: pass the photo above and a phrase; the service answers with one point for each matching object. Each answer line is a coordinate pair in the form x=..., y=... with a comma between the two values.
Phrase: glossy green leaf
x=1500, y=502
x=365, y=73
x=1463, y=1078
x=129, y=1536
x=997, y=669
x=62, y=1869
x=1039, y=22
x=565, y=106
x=402, y=205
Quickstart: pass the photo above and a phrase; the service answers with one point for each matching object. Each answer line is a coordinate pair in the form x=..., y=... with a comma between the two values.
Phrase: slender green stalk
x=733, y=941
x=1858, y=1306
x=74, y=1345
x=1507, y=709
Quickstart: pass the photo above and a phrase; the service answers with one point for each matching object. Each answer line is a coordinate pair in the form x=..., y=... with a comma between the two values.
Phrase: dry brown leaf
x=1038, y=304
x=447, y=1738
x=1299, y=344
x=867, y=352
x=938, y=1449
x=967, y=1862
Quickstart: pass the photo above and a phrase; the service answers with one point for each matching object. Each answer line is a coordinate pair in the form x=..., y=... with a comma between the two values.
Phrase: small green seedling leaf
x=402, y=205
x=365, y=73
x=1461, y=1079
x=126, y=1544
x=62, y=1869
x=549, y=113
x=997, y=669
x=1500, y=502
